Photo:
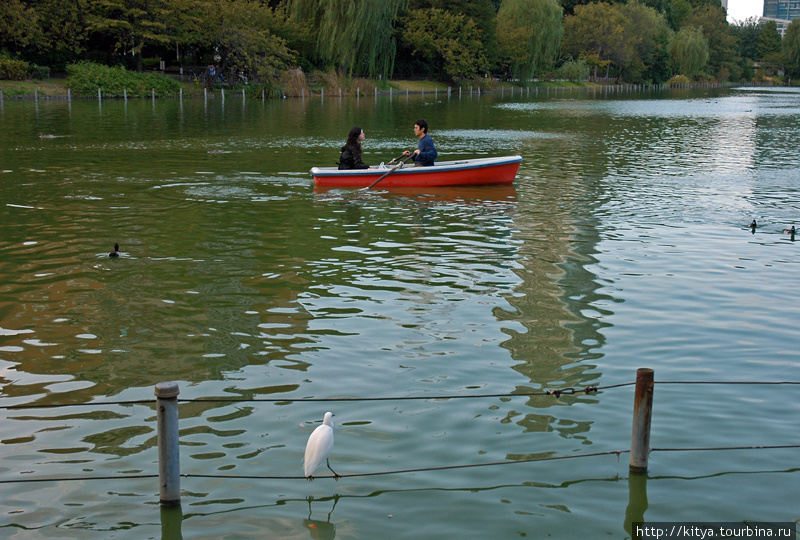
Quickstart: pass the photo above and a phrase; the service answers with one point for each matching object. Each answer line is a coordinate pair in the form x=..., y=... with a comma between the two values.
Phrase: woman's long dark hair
x=352, y=138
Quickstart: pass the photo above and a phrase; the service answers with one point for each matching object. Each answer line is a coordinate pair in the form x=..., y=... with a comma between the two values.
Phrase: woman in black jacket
x=351, y=152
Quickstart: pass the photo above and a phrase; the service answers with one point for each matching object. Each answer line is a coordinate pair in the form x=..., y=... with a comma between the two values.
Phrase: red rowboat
x=466, y=172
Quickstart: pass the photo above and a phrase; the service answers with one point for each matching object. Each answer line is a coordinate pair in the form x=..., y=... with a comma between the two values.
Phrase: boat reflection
x=503, y=192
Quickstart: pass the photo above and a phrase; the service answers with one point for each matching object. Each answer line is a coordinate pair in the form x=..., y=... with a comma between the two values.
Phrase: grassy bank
x=57, y=87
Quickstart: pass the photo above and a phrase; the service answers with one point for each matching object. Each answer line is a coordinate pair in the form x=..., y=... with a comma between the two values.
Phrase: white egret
x=319, y=447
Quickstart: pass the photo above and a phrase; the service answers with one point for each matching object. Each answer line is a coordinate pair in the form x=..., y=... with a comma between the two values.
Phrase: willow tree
x=791, y=48
x=355, y=35
x=688, y=51
x=529, y=34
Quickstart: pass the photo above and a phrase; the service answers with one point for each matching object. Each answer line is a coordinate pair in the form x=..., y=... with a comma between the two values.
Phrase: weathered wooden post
x=642, y=413
x=169, y=466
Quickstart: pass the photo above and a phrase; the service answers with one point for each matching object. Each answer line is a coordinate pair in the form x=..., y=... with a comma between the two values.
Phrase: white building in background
x=783, y=12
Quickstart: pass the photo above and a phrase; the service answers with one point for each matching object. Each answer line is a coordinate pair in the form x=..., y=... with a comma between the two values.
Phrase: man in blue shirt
x=426, y=153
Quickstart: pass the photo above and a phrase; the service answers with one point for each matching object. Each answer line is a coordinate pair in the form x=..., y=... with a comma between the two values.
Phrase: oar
x=396, y=158
x=389, y=172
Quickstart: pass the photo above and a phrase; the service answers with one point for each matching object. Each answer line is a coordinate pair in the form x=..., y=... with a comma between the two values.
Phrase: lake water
x=623, y=243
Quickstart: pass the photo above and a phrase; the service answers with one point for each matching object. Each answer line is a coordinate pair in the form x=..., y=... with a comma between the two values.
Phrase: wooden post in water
x=642, y=413
x=169, y=465
x=99, y=95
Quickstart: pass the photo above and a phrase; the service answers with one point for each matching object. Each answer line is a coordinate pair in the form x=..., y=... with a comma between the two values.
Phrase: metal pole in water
x=642, y=414
x=169, y=466
x=99, y=95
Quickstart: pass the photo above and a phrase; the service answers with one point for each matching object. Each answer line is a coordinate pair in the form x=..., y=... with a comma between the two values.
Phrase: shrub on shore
x=87, y=77
x=13, y=70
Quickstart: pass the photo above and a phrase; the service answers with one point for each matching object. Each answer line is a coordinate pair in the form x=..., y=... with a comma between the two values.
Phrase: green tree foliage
x=355, y=35
x=768, y=43
x=482, y=12
x=596, y=32
x=240, y=34
x=747, y=32
x=133, y=24
x=688, y=51
x=529, y=35
x=647, y=35
x=677, y=13
x=455, y=38
x=722, y=39
x=63, y=24
x=19, y=26
x=791, y=48
x=450, y=41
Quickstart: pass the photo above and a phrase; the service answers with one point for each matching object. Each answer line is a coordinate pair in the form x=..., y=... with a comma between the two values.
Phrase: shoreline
x=554, y=87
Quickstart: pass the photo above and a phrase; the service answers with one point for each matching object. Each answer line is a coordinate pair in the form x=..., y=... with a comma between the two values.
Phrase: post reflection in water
x=171, y=521
x=637, y=500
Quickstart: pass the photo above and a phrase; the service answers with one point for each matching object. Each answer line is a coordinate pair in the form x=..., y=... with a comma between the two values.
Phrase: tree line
x=636, y=41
